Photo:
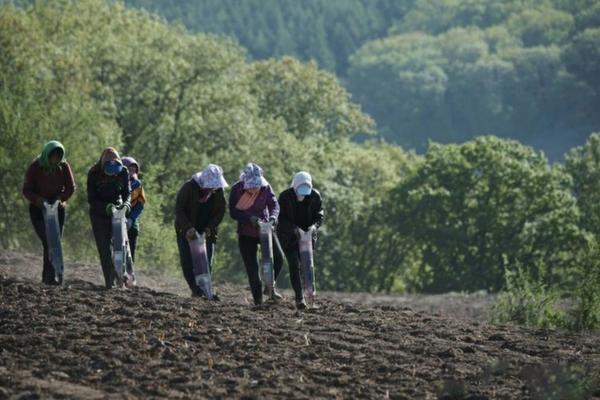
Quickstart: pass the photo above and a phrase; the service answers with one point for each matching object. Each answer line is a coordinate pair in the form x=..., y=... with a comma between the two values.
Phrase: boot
x=275, y=295
x=300, y=304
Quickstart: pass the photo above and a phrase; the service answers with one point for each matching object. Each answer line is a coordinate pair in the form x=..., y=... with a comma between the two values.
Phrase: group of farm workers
x=114, y=183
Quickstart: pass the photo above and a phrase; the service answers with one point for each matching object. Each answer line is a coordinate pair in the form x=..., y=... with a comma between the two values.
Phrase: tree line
x=488, y=214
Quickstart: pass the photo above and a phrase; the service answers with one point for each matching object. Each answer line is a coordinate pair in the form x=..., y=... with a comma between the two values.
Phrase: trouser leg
x=37, y=220
x=248, y=249
x=132, y=235
x=102, y=228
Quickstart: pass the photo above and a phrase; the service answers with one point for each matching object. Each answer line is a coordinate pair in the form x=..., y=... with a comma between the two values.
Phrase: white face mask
x=300, y=198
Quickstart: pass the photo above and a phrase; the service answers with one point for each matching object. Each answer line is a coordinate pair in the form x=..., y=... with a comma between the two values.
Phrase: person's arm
x=318, y=213
x=97, y=206
x=29, y=190
x=182, y=222
x=136, y=211
x=286, y=226
x=69, y=183
x=218, y=211
x=236, y=214
x=126, y=188
x=272, y=203
x=138, y=200
x=285, y=210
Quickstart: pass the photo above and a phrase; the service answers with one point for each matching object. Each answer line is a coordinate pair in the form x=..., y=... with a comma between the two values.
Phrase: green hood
x=48, y=148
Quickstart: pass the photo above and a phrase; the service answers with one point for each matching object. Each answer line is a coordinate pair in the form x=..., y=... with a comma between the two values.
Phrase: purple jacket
x=266, y=205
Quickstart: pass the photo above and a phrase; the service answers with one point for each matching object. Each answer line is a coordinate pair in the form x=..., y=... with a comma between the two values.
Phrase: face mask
x=112, y=167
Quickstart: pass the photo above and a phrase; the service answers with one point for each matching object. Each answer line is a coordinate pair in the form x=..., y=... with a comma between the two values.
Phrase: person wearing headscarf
x=138, y=201
x=301, y=208
x=199, y=208
x=48, y=178
x=108, y=189
x=252, y=200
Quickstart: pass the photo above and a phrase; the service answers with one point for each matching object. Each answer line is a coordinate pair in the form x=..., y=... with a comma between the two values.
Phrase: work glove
x=191, y=234
x=110, y=209
x=208, y=232
x=254, y=220
x=125, y=206
x=273, y=220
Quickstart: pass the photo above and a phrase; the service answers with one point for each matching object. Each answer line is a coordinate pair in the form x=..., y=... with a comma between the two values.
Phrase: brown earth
x=81, y=341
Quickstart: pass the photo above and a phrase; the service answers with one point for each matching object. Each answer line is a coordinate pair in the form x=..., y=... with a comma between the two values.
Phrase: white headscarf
x=301, y=178
x=211, y=177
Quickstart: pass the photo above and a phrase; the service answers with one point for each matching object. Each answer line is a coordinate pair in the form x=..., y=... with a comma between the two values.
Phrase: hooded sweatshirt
x=46, y=182
x=103, y=189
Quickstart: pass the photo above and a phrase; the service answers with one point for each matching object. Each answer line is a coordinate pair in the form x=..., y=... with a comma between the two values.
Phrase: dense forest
x=326, y=31
x=488, y=214
x=442, y=70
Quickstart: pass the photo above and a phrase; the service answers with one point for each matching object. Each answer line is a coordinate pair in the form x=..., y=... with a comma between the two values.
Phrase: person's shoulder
x=315, y=193
x=136, y=184
x=94, y=169
x=34, y=165
x=237, y=186
x=187, y=185
x=269, y=188
x=287, y=192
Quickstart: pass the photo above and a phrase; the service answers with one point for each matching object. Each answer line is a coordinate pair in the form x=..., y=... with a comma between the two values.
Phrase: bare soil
x=81, y=341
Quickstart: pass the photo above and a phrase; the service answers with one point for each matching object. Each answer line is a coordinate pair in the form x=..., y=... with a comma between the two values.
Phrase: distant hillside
x=328, y=31
x=442, y=70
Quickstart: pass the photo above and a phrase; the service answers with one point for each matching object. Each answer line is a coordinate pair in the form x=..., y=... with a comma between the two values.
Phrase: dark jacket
x=103, y=189
x=191, y=213
x=289, y=218
x=265, y=206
